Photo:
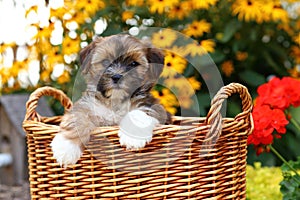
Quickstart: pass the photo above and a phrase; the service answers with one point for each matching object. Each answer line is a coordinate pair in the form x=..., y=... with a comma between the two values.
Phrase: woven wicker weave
x=179, y=163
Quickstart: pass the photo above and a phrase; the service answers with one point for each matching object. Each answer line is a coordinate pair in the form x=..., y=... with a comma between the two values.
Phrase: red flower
x=279, y=121
x=268, y=114
x=292, y=90
x=279, y=93
x=261, y=149
x=266, y=120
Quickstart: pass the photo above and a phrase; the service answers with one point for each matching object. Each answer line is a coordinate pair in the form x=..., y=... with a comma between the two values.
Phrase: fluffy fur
x=120, y=71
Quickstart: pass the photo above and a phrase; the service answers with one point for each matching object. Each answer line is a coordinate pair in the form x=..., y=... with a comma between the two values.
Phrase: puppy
x=120, y=71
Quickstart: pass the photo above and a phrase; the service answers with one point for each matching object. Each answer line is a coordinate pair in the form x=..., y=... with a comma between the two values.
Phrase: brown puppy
x=120, y=71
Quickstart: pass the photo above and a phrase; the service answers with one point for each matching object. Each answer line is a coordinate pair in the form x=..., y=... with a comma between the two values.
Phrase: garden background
x=250, y=41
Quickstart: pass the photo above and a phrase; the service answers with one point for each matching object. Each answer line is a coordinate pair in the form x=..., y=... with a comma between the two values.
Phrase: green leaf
x=217, y=56
x=290, y=189
x=240, y=45
x=253, y=35
x=293, y=144
x=189, y=71
x=204, y=103
x=295, y=112
x=278, y=50
x=270, y=61
x=252, y=78
x=290, y=185
x=231, y=28
x=233, y=108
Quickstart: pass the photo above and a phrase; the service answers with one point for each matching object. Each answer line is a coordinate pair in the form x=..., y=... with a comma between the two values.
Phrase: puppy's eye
x=133, y=64
x=105, y=62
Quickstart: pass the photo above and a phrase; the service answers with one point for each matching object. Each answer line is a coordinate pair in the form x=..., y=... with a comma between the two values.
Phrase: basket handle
x=214, y=118
x=32, y=102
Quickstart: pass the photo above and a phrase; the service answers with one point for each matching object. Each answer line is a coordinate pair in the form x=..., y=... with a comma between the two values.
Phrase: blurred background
x=249, y=41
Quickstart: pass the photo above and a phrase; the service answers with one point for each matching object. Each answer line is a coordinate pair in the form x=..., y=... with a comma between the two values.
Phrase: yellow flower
x=248, y=10
x=204, y=47
x=61, y=11
x=174, y=82
x=31, y=9
x=167, y=99
x=171, y=110
x=297, y=39
x=208, y=45
x=273, y=11
x=241, y=56
x=44, y=33
x=89, y=6
x=297, y=26
x=182, y=85
x=4, y=46
x=174, y=64
x=127, y=15
x=263, y=182
x=160, y=6
x=135, y=2
x=186, y=89
x=45, y=75
x=286, y=28
x=16, y=67
x=295, y=53
x=180, y=51
x=44, y=46
x=79, y=17
x=70, y=46
x=227, y=68
x=164, y=38
x=180, y=10
x=53, y=57
x=33, y=52
x=64, y=78
x=219, y=36
x=4, y=75
x=196, y=85
x=198, y=28
x=295, y=71
x=203, y=4
x=195, y=49
x=185, y=101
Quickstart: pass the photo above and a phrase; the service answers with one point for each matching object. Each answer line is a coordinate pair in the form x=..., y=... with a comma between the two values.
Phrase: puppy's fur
x=120, y=71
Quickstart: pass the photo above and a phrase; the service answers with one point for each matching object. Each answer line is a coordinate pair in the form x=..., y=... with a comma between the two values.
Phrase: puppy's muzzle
x=116, y=77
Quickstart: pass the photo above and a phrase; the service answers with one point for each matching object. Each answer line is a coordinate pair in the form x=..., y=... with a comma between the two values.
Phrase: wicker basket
x=181, y=162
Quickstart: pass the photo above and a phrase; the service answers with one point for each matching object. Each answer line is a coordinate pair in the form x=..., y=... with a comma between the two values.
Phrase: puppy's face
x=121, y=64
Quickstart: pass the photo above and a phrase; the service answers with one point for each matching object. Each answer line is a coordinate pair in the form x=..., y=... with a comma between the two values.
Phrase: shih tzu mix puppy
x=120, y=72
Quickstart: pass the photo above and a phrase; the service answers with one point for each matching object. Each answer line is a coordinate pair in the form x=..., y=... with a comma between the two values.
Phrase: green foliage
x=230, y=29
x=252, y=78
x=290, y=185
x=263, y=182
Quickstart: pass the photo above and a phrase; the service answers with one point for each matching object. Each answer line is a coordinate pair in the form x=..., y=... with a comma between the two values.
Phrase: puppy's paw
x=65, y=151
x=132, y=143
x=136, y=130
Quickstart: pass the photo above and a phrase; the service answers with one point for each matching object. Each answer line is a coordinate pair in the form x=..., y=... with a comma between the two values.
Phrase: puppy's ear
x=156, y=60
x=85, y=55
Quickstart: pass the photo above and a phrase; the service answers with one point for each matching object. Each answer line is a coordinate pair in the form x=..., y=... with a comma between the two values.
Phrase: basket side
x=177, y=164
x=40, y=131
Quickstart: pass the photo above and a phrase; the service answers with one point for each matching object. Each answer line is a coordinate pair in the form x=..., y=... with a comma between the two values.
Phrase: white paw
x=136, y=130
x=65, y=151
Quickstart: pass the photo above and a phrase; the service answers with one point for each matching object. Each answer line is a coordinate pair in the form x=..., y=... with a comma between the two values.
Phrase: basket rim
x=213, y=118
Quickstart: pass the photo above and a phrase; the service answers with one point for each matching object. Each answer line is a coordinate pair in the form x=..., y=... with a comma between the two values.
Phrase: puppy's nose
x=116, y=78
